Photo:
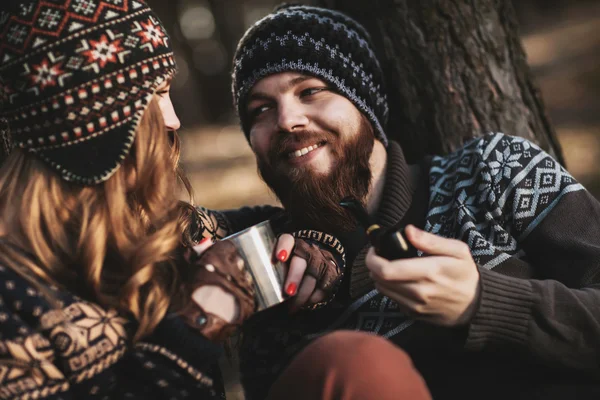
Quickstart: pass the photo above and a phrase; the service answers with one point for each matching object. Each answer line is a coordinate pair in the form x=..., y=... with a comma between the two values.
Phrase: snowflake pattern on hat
x=75, y=78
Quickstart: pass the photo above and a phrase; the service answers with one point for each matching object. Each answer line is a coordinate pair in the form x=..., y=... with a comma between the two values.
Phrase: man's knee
x=351, y=365
x=361, y=353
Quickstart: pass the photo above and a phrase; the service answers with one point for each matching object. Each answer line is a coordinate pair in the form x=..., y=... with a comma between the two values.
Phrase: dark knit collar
x=397, y=191
x=396, y=201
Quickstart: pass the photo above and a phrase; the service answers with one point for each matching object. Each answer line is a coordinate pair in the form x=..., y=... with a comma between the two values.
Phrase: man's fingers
x=405, y=270
x=374, y=262
x=294, y=276
x=410, y=291
x=436, y=245
x=285, y=245
x=406, y=304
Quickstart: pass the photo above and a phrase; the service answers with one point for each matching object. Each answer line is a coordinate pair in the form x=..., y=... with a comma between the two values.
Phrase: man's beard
x=313, y=199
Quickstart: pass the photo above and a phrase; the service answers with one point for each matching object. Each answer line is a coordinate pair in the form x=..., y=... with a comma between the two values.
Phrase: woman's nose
x=170, y=118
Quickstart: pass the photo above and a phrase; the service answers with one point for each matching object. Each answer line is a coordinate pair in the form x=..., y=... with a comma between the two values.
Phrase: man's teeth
x=303, y=151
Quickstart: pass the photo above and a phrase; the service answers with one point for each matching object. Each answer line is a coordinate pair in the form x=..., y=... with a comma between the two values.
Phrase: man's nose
x=291, y=116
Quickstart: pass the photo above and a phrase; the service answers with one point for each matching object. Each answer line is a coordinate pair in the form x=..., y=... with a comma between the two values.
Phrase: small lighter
x=389, y=243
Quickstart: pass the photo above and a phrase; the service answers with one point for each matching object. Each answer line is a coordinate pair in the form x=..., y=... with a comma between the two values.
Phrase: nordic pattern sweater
x=83, y=351
x=534, y=233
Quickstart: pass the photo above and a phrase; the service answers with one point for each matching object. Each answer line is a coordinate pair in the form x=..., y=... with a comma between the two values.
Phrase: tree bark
x=454, y=70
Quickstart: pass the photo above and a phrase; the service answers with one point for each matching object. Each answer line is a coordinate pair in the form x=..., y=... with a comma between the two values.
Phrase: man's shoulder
x=490, y=148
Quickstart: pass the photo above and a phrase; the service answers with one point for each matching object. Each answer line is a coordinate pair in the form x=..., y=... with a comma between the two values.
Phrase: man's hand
x=440, y=288
x=313, y=272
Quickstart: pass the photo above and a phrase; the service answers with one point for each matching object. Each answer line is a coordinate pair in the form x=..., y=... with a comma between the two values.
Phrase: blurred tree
x=454, y=70
x=208, y=56
x=229, y=18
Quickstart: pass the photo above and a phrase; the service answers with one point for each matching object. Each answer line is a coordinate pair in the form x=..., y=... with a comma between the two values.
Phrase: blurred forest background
x=561, y=39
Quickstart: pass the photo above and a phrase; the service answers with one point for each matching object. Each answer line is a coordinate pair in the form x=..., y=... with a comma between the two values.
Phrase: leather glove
x=220, y=265
x=320, y=264
x=325, y=260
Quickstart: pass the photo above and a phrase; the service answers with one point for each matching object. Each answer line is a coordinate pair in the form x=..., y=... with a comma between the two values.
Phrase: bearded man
x=502, y=298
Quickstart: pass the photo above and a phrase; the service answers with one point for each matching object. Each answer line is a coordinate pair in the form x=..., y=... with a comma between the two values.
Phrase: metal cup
x=256, y=245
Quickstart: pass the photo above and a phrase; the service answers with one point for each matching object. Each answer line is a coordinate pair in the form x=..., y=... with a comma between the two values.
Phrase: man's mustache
x=285, y=142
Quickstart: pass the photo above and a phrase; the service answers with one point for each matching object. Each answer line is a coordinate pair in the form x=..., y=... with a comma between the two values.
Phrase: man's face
x=312, y=145
x=298, y=124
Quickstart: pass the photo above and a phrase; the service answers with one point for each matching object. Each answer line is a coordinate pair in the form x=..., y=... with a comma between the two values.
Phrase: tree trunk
x=454, y=70
x=229, y=19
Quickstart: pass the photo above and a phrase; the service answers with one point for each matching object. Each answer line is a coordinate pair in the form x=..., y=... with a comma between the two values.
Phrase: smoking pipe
x=389, y=243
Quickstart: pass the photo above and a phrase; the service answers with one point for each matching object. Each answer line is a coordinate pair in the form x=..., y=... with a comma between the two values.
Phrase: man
x=506, y=300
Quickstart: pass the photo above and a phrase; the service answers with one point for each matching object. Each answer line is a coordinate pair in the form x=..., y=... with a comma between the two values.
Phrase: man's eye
x=311, y=91
x=255, y=112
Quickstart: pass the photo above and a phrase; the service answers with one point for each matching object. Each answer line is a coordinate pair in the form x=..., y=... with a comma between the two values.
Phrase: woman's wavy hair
x=113, y=243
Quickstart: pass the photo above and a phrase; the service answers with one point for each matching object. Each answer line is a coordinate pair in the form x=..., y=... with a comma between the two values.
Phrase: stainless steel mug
x=256, y=246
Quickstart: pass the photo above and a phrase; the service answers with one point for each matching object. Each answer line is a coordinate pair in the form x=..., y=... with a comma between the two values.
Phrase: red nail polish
x=204, y=240
x=291, y=289
x=282, y=255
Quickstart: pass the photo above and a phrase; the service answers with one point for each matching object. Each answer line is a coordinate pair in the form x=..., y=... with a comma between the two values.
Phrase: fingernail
x=282, y=255
x=204, y=240
x=291, y=289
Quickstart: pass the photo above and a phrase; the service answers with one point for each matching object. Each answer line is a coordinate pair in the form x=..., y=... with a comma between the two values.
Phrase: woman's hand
x=441, y=288
x=221, y=290
x=313, y=272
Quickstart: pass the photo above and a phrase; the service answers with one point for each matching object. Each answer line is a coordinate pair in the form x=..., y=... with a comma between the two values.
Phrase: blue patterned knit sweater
x=534, y=233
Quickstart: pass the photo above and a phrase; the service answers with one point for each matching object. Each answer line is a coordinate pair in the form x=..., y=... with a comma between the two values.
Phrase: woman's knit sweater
x=80, y=350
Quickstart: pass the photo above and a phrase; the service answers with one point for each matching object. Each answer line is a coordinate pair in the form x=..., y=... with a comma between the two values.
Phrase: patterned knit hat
x=75, y=78
x=313, y=41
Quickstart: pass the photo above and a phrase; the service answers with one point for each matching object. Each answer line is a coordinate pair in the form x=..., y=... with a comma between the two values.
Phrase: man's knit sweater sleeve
x=553, y=316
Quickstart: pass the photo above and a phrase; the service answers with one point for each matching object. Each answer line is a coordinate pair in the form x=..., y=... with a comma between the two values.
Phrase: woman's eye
x=162, y=93
x=311, y=91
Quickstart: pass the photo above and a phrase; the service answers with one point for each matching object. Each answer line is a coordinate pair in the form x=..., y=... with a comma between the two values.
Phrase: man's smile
x=305, y=150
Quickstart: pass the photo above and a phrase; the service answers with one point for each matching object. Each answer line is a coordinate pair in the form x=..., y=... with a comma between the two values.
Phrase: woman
x=91, y=296
x=94, y=302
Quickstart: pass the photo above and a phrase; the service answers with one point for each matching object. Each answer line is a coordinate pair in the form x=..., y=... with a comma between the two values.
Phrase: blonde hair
x=111, y=243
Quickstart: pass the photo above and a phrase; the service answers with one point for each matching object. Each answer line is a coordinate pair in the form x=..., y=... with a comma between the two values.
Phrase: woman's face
x=166, y=106
x=169, y=117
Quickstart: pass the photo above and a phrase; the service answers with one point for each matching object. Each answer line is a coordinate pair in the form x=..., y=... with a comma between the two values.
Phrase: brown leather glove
x=220, y=265
x=320, y=264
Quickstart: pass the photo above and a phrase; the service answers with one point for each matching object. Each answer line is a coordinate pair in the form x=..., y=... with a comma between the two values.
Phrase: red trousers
x=349, y=365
